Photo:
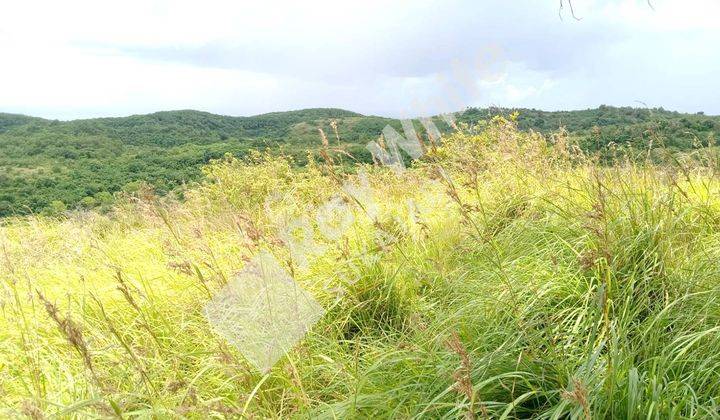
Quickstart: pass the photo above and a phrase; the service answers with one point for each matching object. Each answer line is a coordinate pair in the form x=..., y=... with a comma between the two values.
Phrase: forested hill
x=53, y=165
x=598, y=127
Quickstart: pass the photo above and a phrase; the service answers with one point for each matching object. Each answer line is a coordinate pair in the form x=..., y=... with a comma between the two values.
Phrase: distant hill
x=8, y=121
x=48, y=164
x=595, y=128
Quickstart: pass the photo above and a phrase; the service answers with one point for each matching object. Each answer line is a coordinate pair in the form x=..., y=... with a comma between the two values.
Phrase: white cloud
x=64, y=82
x=87, y=58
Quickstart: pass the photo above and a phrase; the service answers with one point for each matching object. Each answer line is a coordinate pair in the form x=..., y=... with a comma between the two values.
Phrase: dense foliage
x=45, y=162
x=50, y=165
x=596, y=128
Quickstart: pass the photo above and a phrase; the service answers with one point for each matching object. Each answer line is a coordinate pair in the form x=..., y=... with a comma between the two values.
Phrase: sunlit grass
x=521, y=280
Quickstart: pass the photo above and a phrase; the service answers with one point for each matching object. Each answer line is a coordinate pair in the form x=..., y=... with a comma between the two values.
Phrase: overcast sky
x=78, y=59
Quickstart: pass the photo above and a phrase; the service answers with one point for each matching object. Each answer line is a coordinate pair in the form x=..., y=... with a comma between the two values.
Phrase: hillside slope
x=52, y=165
x=500, y=277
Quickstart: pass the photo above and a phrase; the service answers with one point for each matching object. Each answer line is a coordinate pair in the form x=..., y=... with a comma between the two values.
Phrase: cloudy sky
x=77, y=59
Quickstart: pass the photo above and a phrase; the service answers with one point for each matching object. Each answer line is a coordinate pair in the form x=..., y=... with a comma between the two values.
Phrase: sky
x=82, y=59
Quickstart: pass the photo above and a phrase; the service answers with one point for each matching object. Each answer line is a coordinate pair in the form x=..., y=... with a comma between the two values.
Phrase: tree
x=56, y=208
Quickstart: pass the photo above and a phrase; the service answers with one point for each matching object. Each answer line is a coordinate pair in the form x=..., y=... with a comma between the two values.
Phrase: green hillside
x=500, y=277
x=52, y=165
x=596, y=128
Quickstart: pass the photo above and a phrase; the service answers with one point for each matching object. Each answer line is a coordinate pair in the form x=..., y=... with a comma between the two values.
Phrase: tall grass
x=522, y=279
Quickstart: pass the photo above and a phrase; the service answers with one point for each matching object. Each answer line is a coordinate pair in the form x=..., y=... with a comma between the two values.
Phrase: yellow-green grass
x=503, y=275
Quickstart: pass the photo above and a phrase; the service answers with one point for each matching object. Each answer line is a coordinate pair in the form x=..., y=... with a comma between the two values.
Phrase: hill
x=596, y=128
x=501, y=277
x=52, y=165
x=8, y=121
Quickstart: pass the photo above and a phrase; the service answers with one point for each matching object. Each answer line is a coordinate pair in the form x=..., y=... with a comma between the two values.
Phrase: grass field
x=504, y=275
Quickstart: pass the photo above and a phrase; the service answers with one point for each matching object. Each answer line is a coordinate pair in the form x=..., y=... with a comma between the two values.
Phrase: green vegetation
x=523, y=279
x=637, y=127
x=76, y=162
x=45, y=161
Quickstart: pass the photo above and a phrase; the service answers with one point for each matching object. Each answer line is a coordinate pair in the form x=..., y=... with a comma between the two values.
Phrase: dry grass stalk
x=126, y=346
x=462, y=376
x=579, y=395
x=70, y=330
x=333, y=124
x=324, y=152
x=381, y=142
x=323, y=137
x=31, y=410
x=124, y=288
